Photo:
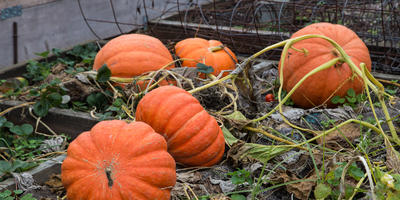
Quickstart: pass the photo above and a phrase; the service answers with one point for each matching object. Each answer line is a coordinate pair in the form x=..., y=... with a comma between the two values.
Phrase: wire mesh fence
x=247, y=26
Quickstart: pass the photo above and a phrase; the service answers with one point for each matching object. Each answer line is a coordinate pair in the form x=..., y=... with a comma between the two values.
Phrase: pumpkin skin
x=132, y=55
x=321, y=87
x=115, y=161
x=200, y=50
x=193, y=136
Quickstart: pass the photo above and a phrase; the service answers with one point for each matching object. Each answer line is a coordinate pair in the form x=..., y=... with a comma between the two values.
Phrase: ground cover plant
x=344, y=147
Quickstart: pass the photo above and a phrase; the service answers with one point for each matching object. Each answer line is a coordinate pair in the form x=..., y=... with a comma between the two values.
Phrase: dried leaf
x=229, y=138
x=245, y=153
x=336, y=139
x=301, y=190
x=264, y=153
x=235, y=155
x=237, y=120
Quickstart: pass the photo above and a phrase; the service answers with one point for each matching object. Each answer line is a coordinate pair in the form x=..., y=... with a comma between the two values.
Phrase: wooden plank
x=61, y=121
x=40, y=173
x=23, y=3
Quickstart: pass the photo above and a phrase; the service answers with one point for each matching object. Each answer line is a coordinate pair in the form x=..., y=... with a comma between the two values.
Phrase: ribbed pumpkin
x=204, y=51
x=132, y=55
x=193, y=136
x=115, y=161
x=318, y=88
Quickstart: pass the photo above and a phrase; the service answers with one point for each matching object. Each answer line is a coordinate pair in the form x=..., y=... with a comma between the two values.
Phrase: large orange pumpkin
x=205, y=51
x=193, y=136
x=115, y=161
x=320, y=87
x=132, y=55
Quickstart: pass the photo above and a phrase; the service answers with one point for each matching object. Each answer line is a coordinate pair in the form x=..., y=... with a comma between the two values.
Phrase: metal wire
x=247, y=26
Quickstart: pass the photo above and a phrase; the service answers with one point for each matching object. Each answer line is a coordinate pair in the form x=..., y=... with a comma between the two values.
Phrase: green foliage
x=238, y=197
x=15, y=195
x=18, y=144
x=328, y=123
x=103, y=74
x=322, y=191
x=351, y=99
x=240, y=176
x=333, y=181
x=289, y=102
x=39, y=70
x=50, y=95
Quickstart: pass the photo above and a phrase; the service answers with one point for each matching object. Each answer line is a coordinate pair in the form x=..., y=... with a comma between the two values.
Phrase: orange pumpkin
x=206, y=52
x=193, y=136
x=115, y=161
x=319, y=88
x=132, y=55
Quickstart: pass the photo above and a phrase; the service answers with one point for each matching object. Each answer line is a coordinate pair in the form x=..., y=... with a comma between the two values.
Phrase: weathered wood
x=61, y=121
x=40, y=173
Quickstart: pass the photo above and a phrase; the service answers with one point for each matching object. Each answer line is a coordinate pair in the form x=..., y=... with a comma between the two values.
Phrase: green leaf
x=360, y=97
x=28, y=197
x=56, y=52
x=204, y=68
x=103, y=74
x=337, y=100
x=8, y=124
x=55, y=99
x=3, y=120
x=21, y=166
x=5, y=166
x=41, y=108
x=264, y=153
x=240, y=176
x=392, y=92
x=351, y=100
x=237, y=115
x=6, y=194
x=229, y=138
x=238, y=197
x=355, y=172
x=99, y=100
x=351, y=92
x=322, y=191
x=44, y=54
x=24, y=129
x=18, y=192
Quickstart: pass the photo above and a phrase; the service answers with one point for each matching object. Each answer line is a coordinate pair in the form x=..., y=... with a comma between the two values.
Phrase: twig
x=15, y=107
x=40, y=121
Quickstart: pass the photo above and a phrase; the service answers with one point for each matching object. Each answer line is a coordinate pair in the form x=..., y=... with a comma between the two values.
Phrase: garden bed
x=269, y=172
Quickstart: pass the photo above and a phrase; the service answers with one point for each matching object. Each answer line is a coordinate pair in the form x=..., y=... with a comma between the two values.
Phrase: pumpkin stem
x=216, y=48
x=303, y=50
x=109, y=176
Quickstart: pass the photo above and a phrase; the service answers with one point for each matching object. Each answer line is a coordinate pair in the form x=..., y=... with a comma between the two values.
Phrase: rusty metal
x=115, y=17
x=86, y=22
x=15, y=42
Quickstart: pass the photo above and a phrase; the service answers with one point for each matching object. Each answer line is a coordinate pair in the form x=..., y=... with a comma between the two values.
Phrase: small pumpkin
x=131, y=55
x=194, y=137
x=115, y=161
x=209, y=52
x=319, y=88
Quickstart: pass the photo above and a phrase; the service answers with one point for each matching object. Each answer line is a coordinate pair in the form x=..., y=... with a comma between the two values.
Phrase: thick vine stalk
x=370, y=82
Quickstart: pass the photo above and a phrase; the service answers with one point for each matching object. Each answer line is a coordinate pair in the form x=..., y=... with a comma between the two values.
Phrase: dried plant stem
x=15, y=107
x=273, y=136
